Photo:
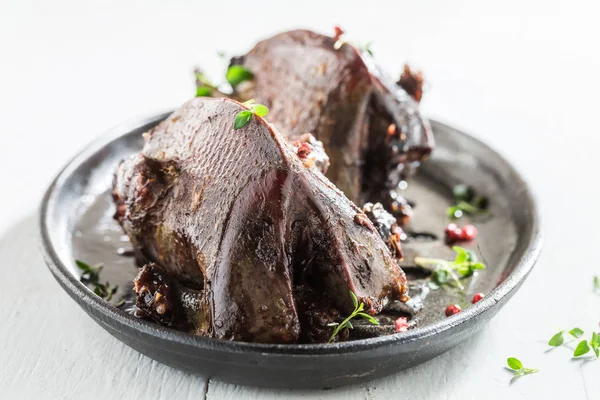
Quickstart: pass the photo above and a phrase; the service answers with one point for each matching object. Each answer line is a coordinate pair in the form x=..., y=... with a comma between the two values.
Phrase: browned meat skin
x=343, y=99
x=238, y=217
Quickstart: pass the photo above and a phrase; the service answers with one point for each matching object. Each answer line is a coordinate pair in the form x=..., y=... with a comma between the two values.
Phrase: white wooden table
x=524, y=76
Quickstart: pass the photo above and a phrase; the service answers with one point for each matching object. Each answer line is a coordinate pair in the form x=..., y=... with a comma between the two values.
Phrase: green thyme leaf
x=441, y=276
x=557, y=339
x=367, y=48
x=354, y=299
x=260, y=110
x=478, y=265
x=514, y=363
x=242, y=119
x=463, y=192
x=581, y=349
x=595, y=343
x=82, y=265
x=203, y=91
x=237, y=74
x=576, y=332
x=369, y=318
x=466, y=202
x=527, y=371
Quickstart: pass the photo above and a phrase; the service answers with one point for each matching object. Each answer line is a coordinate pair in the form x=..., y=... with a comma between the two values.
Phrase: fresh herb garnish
x=517, y=367
x=446, y=272
x=243, y=117
x=576, y=332
x=466, y=202
x=358, y=308
x=585, y=346
x=367, y=48
x=558, y=339
x=596, y=282
x=90, y=275
x=204, y=87
x=237, y=74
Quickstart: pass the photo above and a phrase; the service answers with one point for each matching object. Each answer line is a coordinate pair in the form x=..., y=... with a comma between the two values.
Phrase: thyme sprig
x=466, y=202
x=583, y=347
x=358, y=312
x=235, y=75
x=243, y=117
x=516, y=367
x=90, y=275
x=450, y=272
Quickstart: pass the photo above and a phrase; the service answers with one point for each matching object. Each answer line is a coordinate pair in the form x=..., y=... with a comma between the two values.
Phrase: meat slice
x=370, y=126
x=240, y=221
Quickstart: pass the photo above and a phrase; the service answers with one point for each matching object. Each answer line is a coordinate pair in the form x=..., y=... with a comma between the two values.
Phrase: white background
x=522, y=75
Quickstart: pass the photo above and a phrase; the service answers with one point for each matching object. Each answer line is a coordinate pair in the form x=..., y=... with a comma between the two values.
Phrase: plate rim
x=78, y=290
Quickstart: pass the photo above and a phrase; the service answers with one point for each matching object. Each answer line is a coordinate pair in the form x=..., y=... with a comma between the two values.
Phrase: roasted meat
x=370, y=126
x=244, y=238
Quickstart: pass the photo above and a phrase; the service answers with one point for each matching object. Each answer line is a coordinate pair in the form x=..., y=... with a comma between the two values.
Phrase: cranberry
x=401, y=324
x=304, y=150
x=337, y=32
x=468, y=232
x=452, y=309
x=477, y=297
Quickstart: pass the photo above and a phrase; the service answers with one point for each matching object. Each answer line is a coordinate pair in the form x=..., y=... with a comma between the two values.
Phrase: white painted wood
x=524, y=76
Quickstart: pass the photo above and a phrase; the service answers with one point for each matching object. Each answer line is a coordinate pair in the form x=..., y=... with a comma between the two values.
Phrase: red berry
x=477, y=297
x=401, y=324
x=452, y=309
x=468, y=232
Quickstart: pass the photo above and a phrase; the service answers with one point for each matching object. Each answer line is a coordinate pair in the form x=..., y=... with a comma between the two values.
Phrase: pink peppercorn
x=304, y=150
x=401, y=324
x=452, y=309
x=468, y=232
x=477, y=297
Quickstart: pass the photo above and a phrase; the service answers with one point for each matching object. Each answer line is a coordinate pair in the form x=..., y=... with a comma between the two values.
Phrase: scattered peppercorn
x=338, y=32
x=304, y=150
x=401, y=324
x=468, y=232
x=452, y=309
x=455, y=234
x=477, y=297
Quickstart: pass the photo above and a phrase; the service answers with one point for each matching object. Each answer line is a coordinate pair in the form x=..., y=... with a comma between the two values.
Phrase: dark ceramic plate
x=76, y=223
